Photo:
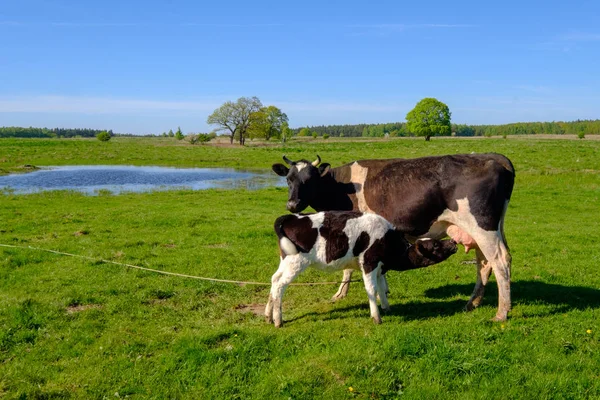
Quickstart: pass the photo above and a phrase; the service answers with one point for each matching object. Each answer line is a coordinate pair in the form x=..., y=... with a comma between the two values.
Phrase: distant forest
x=587, y=127
x=579, y=127
x=14, y=131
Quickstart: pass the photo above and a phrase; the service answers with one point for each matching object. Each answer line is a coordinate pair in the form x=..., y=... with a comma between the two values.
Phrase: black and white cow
x=464, y=196
x=337, y=240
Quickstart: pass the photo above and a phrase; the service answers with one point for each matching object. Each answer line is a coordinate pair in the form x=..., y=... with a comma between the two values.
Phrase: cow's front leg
x=344, y=286
x=370, y=280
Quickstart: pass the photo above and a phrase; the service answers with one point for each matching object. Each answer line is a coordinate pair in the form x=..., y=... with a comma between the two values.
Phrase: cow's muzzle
x=295, y=206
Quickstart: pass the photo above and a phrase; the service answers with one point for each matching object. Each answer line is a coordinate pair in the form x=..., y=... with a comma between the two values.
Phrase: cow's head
x=431, y=251
x=303, y=181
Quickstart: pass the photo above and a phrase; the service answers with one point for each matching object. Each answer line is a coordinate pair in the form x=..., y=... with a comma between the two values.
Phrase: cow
x=336, y=240
x=464, y=196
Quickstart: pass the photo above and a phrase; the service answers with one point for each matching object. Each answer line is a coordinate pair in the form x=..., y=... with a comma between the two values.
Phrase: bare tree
x=235, y=118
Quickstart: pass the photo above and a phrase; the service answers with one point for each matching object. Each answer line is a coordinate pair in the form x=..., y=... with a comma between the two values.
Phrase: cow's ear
x=324, y=168
x=280, y=169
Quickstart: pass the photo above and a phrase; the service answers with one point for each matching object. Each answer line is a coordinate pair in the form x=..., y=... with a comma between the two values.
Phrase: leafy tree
x=267, y=122
x=430, y=117
x=304, y=132
x=286, y=132
x=179, y=134
x=235, y=118
x=103, y=136
x=171, y=134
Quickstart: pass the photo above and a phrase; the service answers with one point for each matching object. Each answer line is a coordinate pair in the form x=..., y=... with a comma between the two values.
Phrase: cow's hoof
x=499, y=318
x=471, y=305
x=377, y=320
x=269, y=319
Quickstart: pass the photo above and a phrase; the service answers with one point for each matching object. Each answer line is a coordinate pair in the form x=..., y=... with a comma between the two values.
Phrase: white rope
x=241, y=283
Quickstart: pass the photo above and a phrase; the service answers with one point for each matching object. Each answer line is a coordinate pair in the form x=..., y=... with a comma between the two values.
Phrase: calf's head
x=428, y=252
x=303, y=179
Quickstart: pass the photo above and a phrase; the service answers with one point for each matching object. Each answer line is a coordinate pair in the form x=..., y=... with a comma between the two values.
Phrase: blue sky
x=149, y=66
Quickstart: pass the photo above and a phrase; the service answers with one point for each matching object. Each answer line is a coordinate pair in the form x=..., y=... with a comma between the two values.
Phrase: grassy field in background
x=73, y=328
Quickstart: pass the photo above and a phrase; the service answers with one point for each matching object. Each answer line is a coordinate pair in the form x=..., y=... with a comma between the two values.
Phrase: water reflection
x=119, y=179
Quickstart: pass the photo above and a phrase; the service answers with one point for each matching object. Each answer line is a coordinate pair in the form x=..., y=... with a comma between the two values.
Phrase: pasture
x=75, y=328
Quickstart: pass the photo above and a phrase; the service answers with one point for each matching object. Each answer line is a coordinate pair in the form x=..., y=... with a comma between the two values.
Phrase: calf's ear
x=280, y=169
x=417, y=247
x=324, y=168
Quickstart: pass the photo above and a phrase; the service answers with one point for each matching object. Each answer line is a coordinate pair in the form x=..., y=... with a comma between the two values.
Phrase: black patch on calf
x=374, y=255
x=298, y=230
x=337, y=242
x=361, y=243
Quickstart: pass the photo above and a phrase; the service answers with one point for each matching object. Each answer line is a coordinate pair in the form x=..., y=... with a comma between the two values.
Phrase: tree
x=171, y=134
x=103, y=136
x=304, y=132
x=235, y=118
x=179, y=134
x=286, y=132
x=430, y=117
x=268, y=122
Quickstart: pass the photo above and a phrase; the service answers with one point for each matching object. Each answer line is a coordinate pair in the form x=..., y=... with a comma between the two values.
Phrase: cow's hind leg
x=484, y=269
x=344, y=286
x=498, y=259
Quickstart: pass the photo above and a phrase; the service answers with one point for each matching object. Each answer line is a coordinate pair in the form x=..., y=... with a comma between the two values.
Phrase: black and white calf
x=337, y=240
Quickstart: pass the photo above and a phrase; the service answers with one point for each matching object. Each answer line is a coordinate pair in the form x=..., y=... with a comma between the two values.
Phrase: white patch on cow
x=492, y=247
x=358, y=176
x=301, y=165
x=287, y=246
x=467, y=227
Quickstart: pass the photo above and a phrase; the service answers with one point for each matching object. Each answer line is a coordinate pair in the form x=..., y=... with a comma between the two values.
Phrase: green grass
x=73, y=328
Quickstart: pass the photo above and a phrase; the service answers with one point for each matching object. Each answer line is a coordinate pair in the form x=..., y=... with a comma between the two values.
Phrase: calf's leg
x=370, y=280
x=289, y=268
x=382, y=291
x=344, y=286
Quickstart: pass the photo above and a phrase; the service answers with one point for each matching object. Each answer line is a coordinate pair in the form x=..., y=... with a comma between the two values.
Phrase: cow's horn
x=317, y=161
x=288, y=161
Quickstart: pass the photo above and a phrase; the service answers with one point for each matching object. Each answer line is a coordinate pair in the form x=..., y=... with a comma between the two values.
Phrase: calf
x=337, y=240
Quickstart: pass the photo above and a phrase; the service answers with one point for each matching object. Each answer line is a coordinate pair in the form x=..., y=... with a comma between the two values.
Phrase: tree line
x=395, y=129
x=31, y=132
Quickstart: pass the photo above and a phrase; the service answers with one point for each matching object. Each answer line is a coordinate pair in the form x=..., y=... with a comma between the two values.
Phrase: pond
x=118, y=179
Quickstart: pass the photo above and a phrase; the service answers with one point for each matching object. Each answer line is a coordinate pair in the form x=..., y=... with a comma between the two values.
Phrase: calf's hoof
x=377, y=320
x=269, y=319
x=278, y=324
x=338, y=296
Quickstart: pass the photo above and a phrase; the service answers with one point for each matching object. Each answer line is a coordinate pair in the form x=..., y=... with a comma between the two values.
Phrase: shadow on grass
x=530, y=292
x=563, y=298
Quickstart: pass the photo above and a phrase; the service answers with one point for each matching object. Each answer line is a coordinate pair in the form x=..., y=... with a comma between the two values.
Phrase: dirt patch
x=82, y=307
x=256, y=309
